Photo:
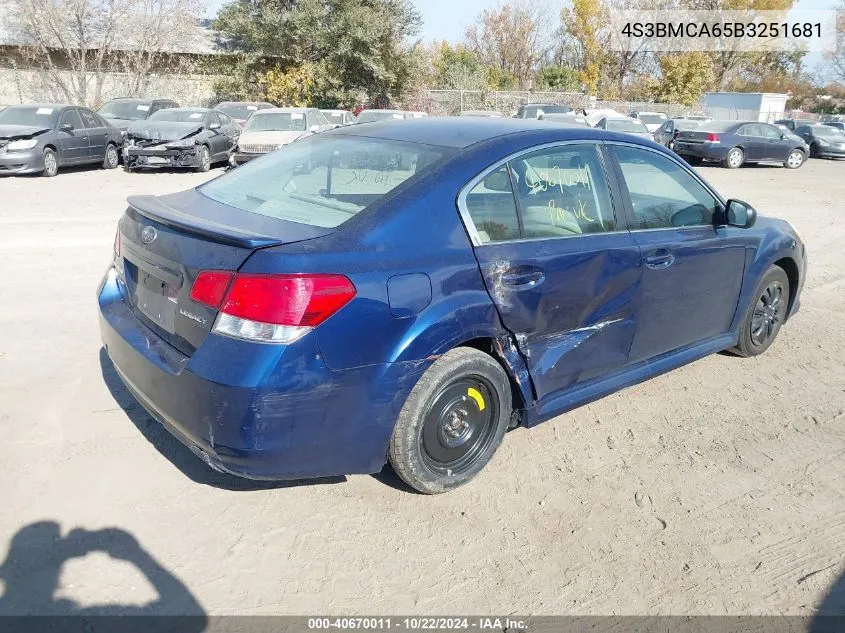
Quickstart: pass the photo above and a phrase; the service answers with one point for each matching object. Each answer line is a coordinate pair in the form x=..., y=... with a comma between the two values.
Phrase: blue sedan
x=735, y=143
x=407, y=291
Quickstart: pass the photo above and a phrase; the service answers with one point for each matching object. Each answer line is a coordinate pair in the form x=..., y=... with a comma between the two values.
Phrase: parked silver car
x=625, y=125
x=666, y=133
x=40, y=138
x=268, y=130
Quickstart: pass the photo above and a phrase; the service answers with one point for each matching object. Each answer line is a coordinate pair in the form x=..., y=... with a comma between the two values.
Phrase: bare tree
x=77, y=43
x=514, y=37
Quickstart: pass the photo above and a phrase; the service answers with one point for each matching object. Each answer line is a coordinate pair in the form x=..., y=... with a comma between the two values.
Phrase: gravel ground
x=716, y=489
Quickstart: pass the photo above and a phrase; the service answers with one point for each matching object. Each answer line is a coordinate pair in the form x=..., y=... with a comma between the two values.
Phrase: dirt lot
x=716, y=489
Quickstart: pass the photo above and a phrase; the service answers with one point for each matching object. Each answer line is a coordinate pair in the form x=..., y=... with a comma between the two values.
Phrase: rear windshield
x=29, y=115
x=129, y=110
x=323, y=181
x=718, y=126
x=625, y=125
x=686, y=124
x=825, y=130
x=370, y=115
x=276, y=122
x=555, y=109
x=240, y=111
x=178, y=116
x=333, y=117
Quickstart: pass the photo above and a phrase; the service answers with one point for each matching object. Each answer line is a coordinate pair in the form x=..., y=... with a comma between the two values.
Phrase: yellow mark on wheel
x=475, y=394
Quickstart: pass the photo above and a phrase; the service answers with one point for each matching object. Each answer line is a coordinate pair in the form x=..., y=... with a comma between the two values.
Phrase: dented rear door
x=570, y=298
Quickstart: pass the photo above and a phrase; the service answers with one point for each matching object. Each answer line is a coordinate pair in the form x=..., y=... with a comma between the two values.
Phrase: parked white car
x=376, y=114
x=270, y=129
x=339, y=117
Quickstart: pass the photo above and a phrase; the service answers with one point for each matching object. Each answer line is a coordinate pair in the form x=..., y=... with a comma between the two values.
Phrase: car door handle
x=523, y=277
x=659, y=260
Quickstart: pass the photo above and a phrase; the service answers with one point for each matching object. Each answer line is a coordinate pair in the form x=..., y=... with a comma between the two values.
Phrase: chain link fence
x=454, y=102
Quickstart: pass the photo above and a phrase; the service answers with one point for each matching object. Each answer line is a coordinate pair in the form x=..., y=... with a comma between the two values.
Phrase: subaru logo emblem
x=148, y=235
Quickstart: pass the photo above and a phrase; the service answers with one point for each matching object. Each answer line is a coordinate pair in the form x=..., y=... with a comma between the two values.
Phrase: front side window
x=562, y=191
x=71, y=116
x=323, y=180
x=89, y=119
x=767, y=131
x=663, y=194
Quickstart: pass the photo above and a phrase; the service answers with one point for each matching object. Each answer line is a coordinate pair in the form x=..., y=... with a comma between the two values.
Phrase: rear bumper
x=148, y=158
x=27, y=162
x=255, y=410
x=705, y=151
x=239, y=158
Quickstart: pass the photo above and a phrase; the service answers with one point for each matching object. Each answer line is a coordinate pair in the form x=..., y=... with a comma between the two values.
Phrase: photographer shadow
x=31, y=571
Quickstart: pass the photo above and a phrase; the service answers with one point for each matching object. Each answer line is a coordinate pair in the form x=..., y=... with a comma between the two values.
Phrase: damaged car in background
x=407, y=291
x=192, y=138
x=40, y=138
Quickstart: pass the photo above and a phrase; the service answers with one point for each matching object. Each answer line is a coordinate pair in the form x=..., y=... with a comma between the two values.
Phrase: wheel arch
x=790, y=267
x=503, y=349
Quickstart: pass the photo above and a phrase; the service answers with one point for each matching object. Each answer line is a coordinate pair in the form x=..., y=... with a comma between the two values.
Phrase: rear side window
x=562, y=191
x=323, y=180
x=663, y=194
x=492, y=208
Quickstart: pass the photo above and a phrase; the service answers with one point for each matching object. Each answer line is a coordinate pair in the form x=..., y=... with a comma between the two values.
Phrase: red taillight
x=210, y=287
x=300, y=300
x=271, y=308
x=712, y=138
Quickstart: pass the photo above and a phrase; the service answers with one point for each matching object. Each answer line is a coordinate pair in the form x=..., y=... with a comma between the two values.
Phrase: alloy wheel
x=735, y=158
x=459, y=426
x=768, y=314
x=50, y=165
x=795, y=159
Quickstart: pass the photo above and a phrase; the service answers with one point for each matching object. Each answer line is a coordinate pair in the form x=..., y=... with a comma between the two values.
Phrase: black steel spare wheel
x=452, y=422
x=460, y=424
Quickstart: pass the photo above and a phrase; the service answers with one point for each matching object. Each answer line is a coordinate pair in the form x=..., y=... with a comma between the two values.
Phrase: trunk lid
x=692, y=136
x=166, y=241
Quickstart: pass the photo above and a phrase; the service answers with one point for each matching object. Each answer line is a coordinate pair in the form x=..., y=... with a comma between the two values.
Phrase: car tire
x=765, y=315
x=204, y=158
x=111, y=159
x=795, y=159
x=814, y=150
x=51, y=163
x=734, y=159
x=452, y=422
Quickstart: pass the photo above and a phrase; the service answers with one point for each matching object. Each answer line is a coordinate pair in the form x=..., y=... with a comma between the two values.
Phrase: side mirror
x=740, y=214
x=214, y=126
x=66, y=127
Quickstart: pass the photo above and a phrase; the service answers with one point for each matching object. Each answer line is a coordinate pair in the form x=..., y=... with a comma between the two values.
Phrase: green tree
x=560, y=78
x=686, y=76
x=583, y=23
x=361, y=47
